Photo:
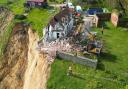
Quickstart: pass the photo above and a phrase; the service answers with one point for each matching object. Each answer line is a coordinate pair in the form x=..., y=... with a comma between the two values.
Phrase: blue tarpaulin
x=92, y=11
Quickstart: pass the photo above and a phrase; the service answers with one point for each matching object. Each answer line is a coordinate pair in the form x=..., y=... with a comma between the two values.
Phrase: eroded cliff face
x=23, y=66
x=38, y=68
x=14, y=62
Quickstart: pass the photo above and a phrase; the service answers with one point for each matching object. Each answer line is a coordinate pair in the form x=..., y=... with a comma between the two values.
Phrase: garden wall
x=104, y=16
x=123, y=22
x=78, y=59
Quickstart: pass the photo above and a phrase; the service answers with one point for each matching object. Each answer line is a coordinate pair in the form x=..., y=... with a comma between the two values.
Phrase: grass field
x=16, y=6
x=3, y=1
x=40, y=18
x=112, y=71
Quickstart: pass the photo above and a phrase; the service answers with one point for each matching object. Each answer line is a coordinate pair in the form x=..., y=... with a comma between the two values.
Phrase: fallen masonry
x=51, y=48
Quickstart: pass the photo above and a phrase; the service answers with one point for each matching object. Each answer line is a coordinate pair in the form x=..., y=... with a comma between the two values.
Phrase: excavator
x=93, y=46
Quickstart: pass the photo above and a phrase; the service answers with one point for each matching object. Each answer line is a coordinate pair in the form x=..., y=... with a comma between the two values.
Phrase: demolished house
x=57, y=42
x=59, y=26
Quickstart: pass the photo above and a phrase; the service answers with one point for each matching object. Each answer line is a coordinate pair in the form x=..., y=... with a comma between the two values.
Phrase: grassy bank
x=112, y=71
x=4, y=38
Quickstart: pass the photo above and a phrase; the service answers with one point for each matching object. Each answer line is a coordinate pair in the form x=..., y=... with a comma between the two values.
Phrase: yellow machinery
x=91, y=37
x=78, y=29
x=95, y=50
x=94, y=47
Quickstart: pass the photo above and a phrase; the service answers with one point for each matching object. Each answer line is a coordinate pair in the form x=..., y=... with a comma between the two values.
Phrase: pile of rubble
x=50, y=48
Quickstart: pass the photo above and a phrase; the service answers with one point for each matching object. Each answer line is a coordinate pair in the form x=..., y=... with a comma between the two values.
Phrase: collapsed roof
x=58, y=17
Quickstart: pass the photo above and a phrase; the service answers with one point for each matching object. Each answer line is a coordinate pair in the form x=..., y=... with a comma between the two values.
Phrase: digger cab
x=94, y=47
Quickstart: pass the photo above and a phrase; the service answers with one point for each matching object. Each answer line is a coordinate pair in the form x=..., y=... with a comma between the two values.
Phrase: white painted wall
x=63, y=31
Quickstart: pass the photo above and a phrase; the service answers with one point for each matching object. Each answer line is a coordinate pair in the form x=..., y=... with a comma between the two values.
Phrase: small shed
x=36, y=3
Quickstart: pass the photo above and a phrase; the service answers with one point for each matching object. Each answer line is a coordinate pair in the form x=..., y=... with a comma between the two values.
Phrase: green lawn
x=16, y=6
x=112, y=71
x=3, y=1
x=40, y=18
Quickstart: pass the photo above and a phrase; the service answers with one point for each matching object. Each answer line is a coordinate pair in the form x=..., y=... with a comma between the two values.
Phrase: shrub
x=9, y=2
x=27, y=10
x=108, y=71
x=20, y=17
x=123, y=82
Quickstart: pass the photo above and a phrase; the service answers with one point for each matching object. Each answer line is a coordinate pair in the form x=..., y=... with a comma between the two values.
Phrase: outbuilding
x=36, y=3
